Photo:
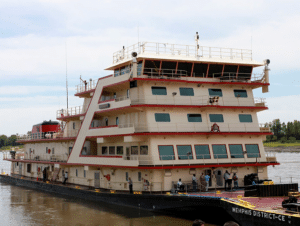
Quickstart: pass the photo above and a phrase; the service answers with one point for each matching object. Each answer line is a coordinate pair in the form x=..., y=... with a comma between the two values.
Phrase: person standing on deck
x=226, y=178
x=207, y=177
x=235, y=181
x=44, y=174
x=66, y=177
x=194, y=182
x=130, y=185
x=202, y=182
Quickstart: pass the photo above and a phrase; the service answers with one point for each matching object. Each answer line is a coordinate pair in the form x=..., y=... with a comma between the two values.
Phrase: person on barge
x=130, y=185
x=227, y=179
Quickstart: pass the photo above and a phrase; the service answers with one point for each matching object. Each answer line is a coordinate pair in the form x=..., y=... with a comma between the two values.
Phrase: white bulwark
x=166, y=112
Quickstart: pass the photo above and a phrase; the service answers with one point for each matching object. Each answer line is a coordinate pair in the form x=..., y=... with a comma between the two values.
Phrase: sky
x=43, y=40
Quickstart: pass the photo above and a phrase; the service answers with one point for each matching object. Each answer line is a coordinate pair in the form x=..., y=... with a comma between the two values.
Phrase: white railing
x=198, y=100
x=47, y=157
x=70, y=112
x=86, y=87
x=195, y=127
x=121, y=98
x=181, y=50
x=47, y=135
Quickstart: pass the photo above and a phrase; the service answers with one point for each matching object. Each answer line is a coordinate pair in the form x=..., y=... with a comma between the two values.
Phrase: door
x=219, y=177
x=20, y=168
x=97, y=179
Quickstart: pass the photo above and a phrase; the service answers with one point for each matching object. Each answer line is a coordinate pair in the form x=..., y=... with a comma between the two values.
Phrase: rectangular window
x=162, y=117
x=117, y=72
x=194, y=117
x=46, y=150
x=139, y=68
x=52, y=151
x=186, y=91
x=202, y=152
x=184, y=152
x=76, y=172
x=252, y=151
x=74, y=125
x=143, y=150
x=240, y=93
x=166, y=152
x=134, y=150
x=126, y=176
x=84, y=173
x=70, y=150
x=215, y=92
x=112, y=150
x=236, y=151
x=104, y=151
x=219, y=151
x=28, y=168
x=159, y=90
x=119, y=150
x=216, y=118
x=245, y=118
x=139, y=176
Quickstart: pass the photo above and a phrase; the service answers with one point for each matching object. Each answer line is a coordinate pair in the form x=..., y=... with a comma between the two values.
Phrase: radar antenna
x=197, y=42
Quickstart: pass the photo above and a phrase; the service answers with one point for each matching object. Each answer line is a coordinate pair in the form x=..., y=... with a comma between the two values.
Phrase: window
x=106, y=121
x=112, y=150
x=240, y=93
x=46, y=150
x=236, y=151
x=134, y=150
x=139, y=68
x=215, y=92
x=74, y=125
x=104, y=150
x=76, y=172
x=252, y=151
x=126, y=176
x=202, y=152
x=28, y=168
x=186, y=91
x=245, y=118
x=166, y=152
x=159, y=90
x=216, y=118
x=219, y=151
x=117, y=72
x=194, y=117
x=119, y=150
x=84, y=173
x=184, y=152
x=128, y=93
x=162, y=117
x=52, y=151
x=143, y=150
x=139, y=176
x=117, y=120
x=115, y=95
x=70, y=150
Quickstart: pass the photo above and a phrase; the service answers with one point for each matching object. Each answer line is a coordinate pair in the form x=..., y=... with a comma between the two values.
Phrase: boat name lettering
x=255, y=213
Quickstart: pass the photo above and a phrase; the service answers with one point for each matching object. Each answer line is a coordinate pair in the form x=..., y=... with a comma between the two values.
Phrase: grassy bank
x=7, y=148
x=279, y=144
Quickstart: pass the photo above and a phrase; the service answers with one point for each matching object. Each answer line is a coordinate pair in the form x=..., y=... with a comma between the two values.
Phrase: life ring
x=107, y=177
x=39, y=169
x=49, y=151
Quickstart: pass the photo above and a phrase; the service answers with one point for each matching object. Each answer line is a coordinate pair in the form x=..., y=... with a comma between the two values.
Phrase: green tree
x=3, y=140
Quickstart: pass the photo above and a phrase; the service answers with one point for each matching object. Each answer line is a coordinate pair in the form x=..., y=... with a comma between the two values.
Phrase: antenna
x=67, y=78
x=197, y=42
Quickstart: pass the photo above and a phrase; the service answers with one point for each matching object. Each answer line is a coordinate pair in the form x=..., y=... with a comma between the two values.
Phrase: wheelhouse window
x=104, y=151
x=215, y=92
x=166, y=152
x=134, y=150
x=144, y=150
x=162, y=117
x=112, y=150
x=117, y=120
x=184, y=152
x=252, y=151
x=194, y=117
x=139, y=67
x=119, y=150
x=236, y=151
x=202, y=152
x=159, y=90
x=240, y=93
x=216, y=118
x=219, y=151
x=186, y=91
x=245, y=118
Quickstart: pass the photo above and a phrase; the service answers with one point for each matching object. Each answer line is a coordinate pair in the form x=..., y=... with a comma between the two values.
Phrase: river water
x=23, y=206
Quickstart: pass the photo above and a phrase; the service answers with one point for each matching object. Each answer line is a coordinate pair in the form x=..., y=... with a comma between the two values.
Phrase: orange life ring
x=107, y=177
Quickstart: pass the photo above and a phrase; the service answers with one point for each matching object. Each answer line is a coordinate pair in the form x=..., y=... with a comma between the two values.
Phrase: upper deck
x=168, y=51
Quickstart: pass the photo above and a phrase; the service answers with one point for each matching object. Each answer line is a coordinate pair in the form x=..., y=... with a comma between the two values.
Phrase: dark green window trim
x=215, y=92
x=166, y=152
x=245, y=118
x=216, y=118
x=219, y=151
x=162, y=117
x=202, y=152
x=156, y=90
x=184, y=152
x=240, y=93
x=194, y=117
x=236, y=150
x=186, y=91
x=252, y=150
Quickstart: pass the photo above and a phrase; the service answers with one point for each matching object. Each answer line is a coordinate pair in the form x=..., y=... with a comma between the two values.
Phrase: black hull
x=192, y=207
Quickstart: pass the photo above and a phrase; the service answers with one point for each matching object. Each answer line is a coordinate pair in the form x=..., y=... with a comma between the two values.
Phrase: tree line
x=283, y=132
x=8, y=141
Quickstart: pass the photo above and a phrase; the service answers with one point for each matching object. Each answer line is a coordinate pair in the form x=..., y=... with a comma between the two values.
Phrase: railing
x=70, y=112
x=141, y=186
x=86, y=87
x=47, y=135
x=196, y=127
x=121, y=98
x=198, y=100
x=181, y=50
x=47, y=157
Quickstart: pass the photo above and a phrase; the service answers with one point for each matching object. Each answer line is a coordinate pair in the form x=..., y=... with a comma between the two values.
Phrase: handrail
x=47, y=135
x=86, y=87
x=181, y=50
x=70, y=112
